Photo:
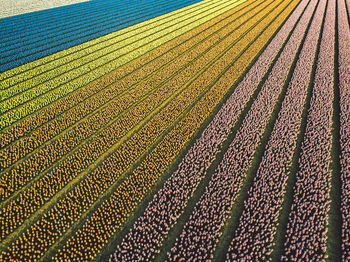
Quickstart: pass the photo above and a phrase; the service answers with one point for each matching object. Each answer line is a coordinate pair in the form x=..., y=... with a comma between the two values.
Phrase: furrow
x=335, y=223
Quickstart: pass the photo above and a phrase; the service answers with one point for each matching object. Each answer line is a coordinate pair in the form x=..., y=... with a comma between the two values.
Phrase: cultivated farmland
x=179, y=130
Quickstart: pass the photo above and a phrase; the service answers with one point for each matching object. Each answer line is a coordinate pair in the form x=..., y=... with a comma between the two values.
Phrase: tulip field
x=180, y=130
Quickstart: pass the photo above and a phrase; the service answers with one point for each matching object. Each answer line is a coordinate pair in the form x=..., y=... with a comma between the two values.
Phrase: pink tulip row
x=148, y=233
x=344, y=85
x=203, y=229
x=308, y=220
x=257, y=227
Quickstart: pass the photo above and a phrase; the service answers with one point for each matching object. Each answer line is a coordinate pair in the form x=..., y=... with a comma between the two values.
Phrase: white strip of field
x=17, y=7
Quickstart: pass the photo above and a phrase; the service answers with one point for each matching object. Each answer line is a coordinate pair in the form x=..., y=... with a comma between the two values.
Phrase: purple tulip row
x=308, y=220
x=148, y=233
x=204, y=227
x=344, y=85
x=257, y=227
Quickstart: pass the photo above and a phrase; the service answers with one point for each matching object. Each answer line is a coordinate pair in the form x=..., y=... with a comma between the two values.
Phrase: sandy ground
x=16, y=7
